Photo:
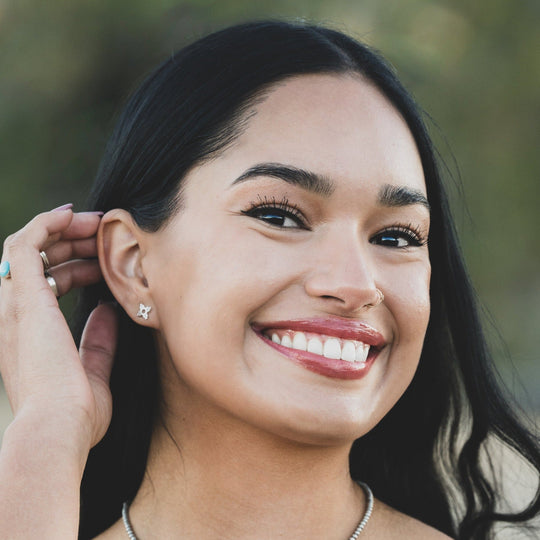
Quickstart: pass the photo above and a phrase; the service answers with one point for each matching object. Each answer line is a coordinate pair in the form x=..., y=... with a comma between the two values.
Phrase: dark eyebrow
x=308, y=180
x=389, y=195
x=401, y=196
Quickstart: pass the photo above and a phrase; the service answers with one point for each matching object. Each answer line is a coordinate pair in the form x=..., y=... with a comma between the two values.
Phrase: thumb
x=98, y=343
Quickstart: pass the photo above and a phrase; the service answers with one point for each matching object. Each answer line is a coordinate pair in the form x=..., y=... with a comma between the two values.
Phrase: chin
x=325, y=429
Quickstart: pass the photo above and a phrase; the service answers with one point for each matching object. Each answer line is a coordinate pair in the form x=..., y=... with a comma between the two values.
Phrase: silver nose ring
x=380, y=299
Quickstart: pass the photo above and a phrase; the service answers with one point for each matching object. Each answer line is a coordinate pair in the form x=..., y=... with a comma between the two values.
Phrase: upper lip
x=340, y=328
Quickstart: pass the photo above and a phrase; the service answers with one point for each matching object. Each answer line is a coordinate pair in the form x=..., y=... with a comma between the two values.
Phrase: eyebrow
x=310, y=181
x=390, y=195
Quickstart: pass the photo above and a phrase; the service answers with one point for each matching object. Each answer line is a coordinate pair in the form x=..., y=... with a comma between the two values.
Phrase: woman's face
x=280, y=246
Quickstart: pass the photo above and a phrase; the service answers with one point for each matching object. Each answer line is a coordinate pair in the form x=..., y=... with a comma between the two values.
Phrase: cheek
x=407, y=301
x=209, y=293
x=211, y=286
x=410, y=303
x=237, y=267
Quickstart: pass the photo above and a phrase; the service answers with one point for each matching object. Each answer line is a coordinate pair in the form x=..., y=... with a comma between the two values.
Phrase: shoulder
x=399, y=525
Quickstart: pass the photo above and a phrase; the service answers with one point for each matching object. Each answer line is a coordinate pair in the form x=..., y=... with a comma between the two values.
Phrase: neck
x=218, y=477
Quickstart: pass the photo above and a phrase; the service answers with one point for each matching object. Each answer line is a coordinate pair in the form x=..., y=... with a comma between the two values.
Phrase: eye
x=399, y=237
x=276, y=213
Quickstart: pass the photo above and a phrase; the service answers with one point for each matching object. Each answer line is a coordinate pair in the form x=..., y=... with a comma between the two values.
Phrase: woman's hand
x=44, y=375
x=60, y=396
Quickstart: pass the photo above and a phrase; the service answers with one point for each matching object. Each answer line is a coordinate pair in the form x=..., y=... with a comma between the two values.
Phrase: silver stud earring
x=144, y=311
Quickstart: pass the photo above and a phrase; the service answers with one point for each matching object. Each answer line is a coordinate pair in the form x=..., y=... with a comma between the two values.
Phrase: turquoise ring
x=5, y=270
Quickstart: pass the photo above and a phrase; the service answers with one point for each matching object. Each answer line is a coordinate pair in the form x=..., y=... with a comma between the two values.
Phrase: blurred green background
x=66, y=66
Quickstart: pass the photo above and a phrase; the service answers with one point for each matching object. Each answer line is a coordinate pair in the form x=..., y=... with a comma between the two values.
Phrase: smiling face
x=266, y=282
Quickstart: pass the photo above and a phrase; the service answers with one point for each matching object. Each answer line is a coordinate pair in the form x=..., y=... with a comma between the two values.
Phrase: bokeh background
x=66, y=66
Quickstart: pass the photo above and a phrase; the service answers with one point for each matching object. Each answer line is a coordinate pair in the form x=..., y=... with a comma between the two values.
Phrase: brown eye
x=398, y=238
x=277, y=217
x=278, y=214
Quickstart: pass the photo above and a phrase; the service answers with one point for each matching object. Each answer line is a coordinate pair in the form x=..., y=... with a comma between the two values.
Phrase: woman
x=293, y=316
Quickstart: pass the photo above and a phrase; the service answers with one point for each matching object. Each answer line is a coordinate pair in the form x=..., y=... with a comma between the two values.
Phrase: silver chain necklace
x=354, y=535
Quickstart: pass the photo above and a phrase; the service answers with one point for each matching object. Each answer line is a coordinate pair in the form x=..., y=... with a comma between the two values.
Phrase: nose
x=342, y=275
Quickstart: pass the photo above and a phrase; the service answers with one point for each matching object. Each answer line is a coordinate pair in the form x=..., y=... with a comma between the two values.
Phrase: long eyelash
x=272, y=202
x=411, y=230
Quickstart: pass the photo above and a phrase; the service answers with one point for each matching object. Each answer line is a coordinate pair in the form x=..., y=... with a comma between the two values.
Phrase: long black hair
x=187, y=111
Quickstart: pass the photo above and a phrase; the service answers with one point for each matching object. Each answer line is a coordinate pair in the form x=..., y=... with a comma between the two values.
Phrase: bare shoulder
x=398, y=525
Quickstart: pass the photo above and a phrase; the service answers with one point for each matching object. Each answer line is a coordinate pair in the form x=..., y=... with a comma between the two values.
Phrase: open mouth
x=347, y=351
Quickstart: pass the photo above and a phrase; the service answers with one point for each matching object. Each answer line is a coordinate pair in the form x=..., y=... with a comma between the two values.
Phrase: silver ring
x=52, y=283
x=45, y=259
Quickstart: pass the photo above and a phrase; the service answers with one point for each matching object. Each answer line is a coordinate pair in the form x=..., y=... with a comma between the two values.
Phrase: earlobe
x=121, y=254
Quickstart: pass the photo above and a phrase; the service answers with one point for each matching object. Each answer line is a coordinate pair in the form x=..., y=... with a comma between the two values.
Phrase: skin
x=226, y=270
x=246, y=430
x=59, y=396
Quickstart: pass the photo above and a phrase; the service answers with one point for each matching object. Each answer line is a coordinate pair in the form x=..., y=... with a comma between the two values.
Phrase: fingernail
x=63, y=207
x=93, y=213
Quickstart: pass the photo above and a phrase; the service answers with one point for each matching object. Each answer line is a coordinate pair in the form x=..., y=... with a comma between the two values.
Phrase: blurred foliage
x=66, y=67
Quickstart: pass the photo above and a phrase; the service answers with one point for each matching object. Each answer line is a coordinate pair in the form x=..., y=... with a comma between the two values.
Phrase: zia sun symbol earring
x=144, y=311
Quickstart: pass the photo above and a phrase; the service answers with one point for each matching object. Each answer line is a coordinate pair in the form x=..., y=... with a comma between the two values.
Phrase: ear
x=120, y=244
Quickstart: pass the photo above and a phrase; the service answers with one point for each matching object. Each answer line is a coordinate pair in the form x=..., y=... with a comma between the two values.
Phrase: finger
x=74, y=274
x=98, y=342
x=83, y=225
x=22, y=248
x=97, y=349
x=65, y=250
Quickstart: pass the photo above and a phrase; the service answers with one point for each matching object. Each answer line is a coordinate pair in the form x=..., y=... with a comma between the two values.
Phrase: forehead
x=340, y=126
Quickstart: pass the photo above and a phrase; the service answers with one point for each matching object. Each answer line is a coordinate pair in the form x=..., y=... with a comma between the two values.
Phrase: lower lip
x=336, y=369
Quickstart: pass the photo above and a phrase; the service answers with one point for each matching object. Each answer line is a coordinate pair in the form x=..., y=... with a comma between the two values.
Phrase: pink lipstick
x=336, y=348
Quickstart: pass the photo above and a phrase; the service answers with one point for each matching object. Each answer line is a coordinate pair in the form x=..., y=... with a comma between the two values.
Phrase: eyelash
x=411, y=233
x=281, y=209
x=284, y=209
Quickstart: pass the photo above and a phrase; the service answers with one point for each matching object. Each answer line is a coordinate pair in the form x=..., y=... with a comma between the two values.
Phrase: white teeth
x=348, y=351
x=336, y=349
x=315, y=346
x=299, y=341
x=362, y=352
x=332, y=349
x=286, y=341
